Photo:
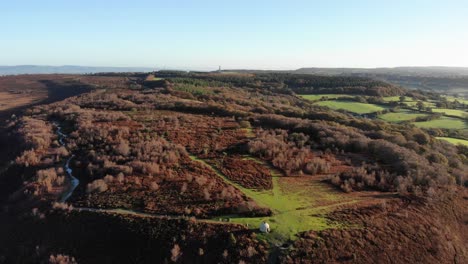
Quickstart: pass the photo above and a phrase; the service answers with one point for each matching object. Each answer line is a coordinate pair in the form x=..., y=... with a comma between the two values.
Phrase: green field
x=444, y=122
x=426, y=104
x=393, y=98
x=452, y=98
x=355, y=107
x=294, y=209
x=401, y=116
x=315, y=97
x=454, y=141
x=397, y=99
x=451, y=112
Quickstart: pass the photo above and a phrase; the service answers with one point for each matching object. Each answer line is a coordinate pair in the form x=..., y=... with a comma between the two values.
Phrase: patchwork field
x=448, y=121
x=452, y=99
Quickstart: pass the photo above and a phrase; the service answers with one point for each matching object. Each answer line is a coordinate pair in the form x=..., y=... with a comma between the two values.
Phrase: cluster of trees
x=413, y=155
x=36, y=133
x=43, y=155
x=49, y=178
x=287, y=152
x=283, y=82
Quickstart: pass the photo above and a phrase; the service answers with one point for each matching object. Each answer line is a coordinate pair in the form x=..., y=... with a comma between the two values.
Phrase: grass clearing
x=355, y=107
x=453, y=98
x=397, y=99
x=454, y=141
x=426, y=104
x=315, y=97
x=443, y=122
x=450, y=112
x=298, y=203
x=400, y=116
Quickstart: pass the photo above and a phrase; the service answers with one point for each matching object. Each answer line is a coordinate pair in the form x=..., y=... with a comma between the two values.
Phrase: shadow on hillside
x=10, y=145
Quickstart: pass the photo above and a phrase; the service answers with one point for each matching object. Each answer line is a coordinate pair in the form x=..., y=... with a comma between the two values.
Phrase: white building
x=264, y=227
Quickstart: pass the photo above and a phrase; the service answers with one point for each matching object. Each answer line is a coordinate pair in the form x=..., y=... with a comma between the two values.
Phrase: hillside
x=183, y=167
x=452, y=80
x=401, y=71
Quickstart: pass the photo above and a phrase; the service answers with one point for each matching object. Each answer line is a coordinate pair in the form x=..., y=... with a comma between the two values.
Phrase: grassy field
x=397, y=99
x=452, y=98
x=444, y=122
x=454, y=141
x=294, y=209
x=400, y=116
x=426, y=104
x=403, y=115
x=315, y=97
x=393, y=98
x=451, y=112
x=355, y=107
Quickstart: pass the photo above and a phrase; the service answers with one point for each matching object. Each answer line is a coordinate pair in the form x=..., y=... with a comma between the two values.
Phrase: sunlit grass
x=400, y=116
x=355, y=107
x=451, y=112
x=454, y=141
x=443, y=122
x=298, y=203
x=315, y=97
x=453, y=98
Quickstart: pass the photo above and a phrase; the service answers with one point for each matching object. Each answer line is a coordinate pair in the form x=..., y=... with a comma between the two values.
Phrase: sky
x=254, y=34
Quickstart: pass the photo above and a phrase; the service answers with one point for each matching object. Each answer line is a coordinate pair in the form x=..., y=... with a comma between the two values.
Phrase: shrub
x=97, y=186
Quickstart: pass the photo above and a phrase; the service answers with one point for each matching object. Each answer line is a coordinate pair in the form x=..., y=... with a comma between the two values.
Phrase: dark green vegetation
x=448, y=80
x=191, y=163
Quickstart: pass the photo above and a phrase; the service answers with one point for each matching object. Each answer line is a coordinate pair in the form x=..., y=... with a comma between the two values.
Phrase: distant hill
x=66, y=69
x=450, y=80
x=435, y=71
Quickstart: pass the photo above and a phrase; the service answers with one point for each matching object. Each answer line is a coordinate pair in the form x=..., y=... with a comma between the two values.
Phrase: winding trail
x=148, y=215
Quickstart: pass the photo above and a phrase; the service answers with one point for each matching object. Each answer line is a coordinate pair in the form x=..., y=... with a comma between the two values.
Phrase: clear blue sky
x=203, y=34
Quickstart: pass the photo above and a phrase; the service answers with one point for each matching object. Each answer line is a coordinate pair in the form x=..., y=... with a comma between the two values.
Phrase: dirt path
x=141, y=214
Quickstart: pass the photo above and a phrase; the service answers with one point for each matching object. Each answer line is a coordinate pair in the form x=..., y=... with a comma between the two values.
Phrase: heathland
x=183, y=167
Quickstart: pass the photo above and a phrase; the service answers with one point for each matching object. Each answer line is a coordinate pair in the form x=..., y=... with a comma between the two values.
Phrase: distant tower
x=219, y=69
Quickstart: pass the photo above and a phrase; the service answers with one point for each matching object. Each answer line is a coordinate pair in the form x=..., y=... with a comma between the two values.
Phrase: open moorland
x=183, y=167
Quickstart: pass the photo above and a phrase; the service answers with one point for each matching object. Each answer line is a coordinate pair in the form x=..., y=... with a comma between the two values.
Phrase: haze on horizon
x=242, y=34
